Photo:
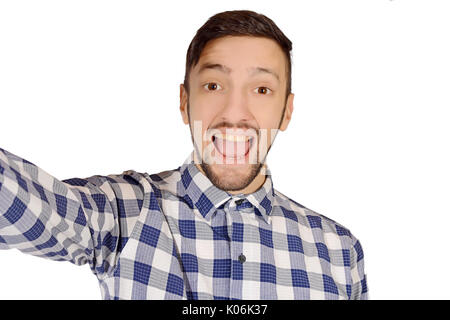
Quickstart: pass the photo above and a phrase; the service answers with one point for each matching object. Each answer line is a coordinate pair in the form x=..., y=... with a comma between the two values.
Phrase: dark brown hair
x=237, y=23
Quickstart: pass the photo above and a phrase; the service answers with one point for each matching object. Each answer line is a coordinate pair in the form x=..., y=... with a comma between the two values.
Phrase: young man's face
x=235, y=106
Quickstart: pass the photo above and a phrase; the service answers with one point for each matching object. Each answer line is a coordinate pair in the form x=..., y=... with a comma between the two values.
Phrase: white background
x=92, y=87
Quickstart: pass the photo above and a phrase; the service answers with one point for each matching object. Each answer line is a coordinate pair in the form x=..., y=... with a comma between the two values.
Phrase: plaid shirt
x=174, y=235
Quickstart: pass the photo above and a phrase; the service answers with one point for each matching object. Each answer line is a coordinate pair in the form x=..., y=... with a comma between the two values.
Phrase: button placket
x=236, y=238
x=251, y=249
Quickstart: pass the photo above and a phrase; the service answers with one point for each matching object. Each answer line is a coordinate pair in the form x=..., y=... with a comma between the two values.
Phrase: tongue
x=231, y=149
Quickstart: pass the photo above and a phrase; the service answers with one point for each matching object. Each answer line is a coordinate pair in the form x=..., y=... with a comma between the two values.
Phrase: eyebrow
x=214, y=66
x=256, y=70
x=252, y=70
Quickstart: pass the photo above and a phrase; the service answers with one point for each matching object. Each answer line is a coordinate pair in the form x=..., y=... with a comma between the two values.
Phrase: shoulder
x=128, y=185
x=323, y=228
x=161, y=182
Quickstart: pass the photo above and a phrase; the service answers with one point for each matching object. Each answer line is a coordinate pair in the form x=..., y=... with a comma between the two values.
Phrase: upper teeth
x=233, y=137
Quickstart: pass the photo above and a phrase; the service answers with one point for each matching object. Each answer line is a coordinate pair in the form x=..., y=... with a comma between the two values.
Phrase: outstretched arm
x=78, y=220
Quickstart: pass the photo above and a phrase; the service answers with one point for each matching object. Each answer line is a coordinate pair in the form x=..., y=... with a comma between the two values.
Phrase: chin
x=231, y=177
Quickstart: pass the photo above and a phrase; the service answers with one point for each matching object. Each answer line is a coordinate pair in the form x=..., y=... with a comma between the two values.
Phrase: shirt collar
x=200, y=192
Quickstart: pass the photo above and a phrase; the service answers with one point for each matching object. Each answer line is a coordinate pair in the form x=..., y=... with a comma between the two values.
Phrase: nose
x=235, y=108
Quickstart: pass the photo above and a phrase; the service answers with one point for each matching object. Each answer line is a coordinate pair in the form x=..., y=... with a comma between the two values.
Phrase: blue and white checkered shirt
x=174, y=235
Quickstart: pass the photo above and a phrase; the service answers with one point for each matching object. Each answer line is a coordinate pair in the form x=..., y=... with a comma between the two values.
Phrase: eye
x=263, y=90
x=211, y=86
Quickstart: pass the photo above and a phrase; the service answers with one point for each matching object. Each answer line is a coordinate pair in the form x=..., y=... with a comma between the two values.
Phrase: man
x=214, y=228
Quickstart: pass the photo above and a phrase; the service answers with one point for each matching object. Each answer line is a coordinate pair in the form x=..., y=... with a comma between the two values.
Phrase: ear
x=183, y=104
x=288, y=112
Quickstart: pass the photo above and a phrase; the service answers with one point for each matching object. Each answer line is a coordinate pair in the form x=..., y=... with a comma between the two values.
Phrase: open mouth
x=232, y=146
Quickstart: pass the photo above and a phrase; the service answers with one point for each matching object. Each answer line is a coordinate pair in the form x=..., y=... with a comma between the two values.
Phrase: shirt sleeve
x=359, y=278
x=81, y=220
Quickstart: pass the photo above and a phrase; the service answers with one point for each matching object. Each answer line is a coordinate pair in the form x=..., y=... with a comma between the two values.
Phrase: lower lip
x=232, y=160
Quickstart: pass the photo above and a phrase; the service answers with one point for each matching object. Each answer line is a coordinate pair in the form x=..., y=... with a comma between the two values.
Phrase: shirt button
x=242, y=258
x=239, y=201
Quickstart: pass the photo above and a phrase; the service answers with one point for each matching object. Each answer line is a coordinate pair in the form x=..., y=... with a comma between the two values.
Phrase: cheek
x=201, y=118
x=204, y=109
x=202, y=114
x=267, y=117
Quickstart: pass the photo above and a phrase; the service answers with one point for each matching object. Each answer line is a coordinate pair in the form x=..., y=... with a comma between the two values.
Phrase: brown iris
x=212, y=86
x=262, y=90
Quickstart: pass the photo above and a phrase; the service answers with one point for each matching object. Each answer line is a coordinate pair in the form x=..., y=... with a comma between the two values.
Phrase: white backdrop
x=92, y=87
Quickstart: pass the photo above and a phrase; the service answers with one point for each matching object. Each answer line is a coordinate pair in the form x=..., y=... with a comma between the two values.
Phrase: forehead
x=241, y=52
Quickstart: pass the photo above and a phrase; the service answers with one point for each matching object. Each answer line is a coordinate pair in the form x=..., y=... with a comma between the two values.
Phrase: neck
x=254, y=185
